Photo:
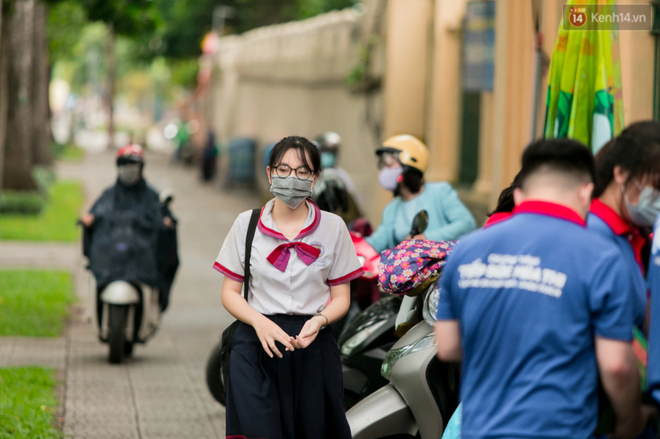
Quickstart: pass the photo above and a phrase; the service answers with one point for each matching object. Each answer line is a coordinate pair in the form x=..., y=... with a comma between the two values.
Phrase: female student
x=285, y=378
x=627, y=201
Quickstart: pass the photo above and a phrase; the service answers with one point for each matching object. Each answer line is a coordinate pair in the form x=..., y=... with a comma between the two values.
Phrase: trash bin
x=242, y=155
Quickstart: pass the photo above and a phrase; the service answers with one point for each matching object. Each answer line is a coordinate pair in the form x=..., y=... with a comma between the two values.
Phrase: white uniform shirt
x=301, y=289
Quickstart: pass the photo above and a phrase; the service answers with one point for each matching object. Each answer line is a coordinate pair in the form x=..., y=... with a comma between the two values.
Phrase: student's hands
x=309, y=332
x=268, y=333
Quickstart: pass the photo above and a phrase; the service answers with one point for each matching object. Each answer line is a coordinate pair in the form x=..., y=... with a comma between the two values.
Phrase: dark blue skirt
x=299, y=396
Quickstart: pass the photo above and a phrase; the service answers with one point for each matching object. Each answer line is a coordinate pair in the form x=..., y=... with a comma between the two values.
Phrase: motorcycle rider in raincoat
x=131, y=209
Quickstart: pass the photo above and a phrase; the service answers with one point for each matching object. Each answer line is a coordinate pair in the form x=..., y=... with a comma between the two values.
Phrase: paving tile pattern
x=161, y=392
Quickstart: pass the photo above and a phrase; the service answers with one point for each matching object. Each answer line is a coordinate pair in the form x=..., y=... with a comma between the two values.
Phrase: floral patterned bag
x=411, y=264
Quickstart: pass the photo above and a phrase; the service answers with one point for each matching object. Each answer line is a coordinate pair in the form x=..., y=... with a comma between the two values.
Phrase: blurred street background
x=223, y=80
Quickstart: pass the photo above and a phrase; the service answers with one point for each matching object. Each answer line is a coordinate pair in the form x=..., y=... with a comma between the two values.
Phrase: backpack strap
x=254, y=219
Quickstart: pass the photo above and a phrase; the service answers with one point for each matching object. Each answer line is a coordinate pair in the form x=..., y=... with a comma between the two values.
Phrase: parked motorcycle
x=422, y=393
x=367, y=339
x=127, y=309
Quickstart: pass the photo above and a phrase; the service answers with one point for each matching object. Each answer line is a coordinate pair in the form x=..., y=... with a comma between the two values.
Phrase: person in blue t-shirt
x=535, y=307
x=627, y=183
x=653, y=374
x=649, y=132
x=403, y=160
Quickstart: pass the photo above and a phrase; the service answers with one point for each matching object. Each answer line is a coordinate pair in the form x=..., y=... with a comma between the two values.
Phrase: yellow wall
x=506, y=113
x=406, y=66
x=637, y=58
x=445, y=108
x=406, y=72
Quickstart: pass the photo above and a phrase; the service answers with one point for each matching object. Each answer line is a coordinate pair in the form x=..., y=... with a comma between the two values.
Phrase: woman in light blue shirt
x=403, y=160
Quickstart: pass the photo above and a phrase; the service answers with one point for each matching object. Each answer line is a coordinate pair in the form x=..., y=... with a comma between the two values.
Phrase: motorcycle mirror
x=166, y=196
x=420, y=223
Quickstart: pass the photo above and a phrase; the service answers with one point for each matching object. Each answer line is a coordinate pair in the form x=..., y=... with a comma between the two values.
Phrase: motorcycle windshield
x=382, y=310
x=124, y=246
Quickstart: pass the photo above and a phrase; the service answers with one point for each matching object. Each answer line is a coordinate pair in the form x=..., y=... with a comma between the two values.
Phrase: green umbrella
x=584, y=100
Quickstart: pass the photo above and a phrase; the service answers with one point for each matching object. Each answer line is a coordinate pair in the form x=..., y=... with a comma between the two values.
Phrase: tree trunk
x=111, y=67
x=40, y=82
x=3, y=90
x=18, y=141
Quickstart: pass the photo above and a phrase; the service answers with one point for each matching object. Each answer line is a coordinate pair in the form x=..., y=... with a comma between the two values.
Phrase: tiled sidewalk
x=161, y=392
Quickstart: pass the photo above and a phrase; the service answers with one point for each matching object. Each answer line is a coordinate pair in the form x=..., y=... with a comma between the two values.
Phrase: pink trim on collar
x=550, y=209
x=304, y=232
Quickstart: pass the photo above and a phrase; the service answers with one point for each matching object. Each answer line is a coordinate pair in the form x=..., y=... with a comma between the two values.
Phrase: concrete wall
x=289, y=79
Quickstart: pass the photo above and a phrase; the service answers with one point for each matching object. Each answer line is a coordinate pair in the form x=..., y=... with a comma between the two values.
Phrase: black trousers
x=299, y=396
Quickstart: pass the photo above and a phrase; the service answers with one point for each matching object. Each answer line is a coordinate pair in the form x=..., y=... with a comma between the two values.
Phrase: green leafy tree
x=185, y=22
x=66, y=22
x=130, y=18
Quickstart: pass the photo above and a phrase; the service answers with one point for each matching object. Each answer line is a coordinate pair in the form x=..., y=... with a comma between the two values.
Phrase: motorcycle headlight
x=356, y=340
x=431, y=303
x=396, y=354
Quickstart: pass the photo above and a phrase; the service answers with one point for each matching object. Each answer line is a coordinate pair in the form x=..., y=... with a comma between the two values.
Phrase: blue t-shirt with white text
x=530, y=294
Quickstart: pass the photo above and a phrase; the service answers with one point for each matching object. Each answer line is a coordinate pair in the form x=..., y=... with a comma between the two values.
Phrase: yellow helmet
x=410, y=151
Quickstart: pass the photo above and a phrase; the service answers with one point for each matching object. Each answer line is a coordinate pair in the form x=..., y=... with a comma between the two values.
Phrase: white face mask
x=647, y=209
x=129, y=174
x=389, y=178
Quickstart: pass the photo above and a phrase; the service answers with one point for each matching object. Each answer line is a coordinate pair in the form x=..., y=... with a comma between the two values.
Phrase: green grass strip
x=56, y=223
x=34, y=302
x=27, y=403
x=71, y=153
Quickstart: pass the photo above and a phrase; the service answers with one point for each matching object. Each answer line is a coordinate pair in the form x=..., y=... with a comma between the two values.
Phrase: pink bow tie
x=280, y=256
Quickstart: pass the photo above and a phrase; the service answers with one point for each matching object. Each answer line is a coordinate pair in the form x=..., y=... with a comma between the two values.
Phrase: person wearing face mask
x=329, y=144
x=285, y=376
x=535, y=310
x=650, y=132
x=131, y=201
x=402, y=161
x=627, y=202
x=131, y=191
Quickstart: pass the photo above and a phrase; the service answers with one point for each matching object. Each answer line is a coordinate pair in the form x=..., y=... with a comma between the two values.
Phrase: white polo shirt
x=300, y=289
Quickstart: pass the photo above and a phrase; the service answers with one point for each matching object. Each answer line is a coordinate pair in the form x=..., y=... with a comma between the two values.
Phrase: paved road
x=161, y=392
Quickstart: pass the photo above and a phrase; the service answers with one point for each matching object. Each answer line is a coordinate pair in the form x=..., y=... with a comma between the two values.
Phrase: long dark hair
x=305, y=149
x=636, y=149
x=505, y=202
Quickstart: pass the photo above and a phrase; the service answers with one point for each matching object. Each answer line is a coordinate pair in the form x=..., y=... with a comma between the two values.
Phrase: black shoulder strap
x=252, y=228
